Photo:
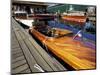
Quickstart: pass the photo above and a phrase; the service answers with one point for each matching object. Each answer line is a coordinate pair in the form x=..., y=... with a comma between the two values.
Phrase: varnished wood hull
x=74, y=19
x=73, y=52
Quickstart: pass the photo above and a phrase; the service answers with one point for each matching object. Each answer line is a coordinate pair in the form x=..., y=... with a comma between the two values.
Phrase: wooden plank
x=19, y=69
x=15, y=49
x=14, y=42
x=58, y=65
x=17, y=55
x=13, y=52
x=17, y=59
x=15, y=45
x=19, y=63
x=26, y=71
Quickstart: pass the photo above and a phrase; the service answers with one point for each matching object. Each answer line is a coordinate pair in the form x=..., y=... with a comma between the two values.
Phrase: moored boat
x=77, y=53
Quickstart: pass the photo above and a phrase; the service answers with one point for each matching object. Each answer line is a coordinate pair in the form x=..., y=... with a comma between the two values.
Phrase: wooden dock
x=27, y=56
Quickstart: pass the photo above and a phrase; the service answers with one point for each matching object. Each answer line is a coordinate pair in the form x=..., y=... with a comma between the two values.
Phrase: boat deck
x=27, y=56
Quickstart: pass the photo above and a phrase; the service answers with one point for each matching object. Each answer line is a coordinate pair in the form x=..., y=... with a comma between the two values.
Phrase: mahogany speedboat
x=79, y=54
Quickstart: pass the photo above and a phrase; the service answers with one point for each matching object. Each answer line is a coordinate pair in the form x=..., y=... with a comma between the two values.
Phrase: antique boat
x=75, y=17
x=80, y=20
x=78, y=52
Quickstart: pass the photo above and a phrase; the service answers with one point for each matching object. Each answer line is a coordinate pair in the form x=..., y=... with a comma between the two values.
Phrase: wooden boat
x=73, y=52
x=75, y=17
x=77, y=53
x=80, y=20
